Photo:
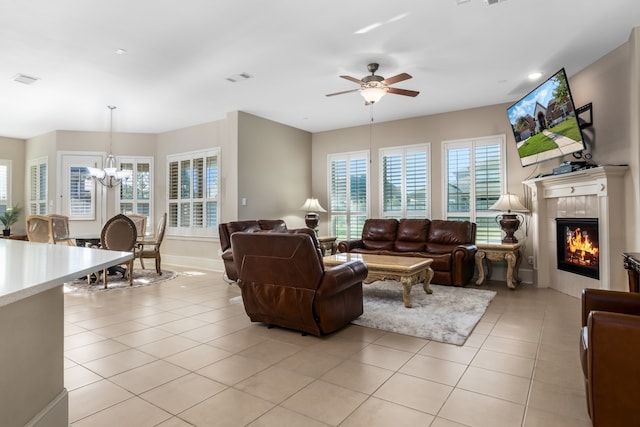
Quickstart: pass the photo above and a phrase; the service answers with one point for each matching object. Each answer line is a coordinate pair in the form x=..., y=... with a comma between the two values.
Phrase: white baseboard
x=193, y=262
x=55, y=414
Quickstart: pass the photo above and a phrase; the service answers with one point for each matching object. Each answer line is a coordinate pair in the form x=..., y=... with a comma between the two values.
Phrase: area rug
x=116, y=281
x=448, y=315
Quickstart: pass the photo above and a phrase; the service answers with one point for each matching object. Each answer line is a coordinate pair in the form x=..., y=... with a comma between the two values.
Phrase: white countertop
x=27, y=268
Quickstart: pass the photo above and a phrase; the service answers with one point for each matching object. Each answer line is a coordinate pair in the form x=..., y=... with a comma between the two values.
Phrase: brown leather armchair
x=284, y=282
x=610, y=356
x=225, y=230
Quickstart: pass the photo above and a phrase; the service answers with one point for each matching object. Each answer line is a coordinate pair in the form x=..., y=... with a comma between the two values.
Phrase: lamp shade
x=508, y=203
x=373, y=94
x=312, y=205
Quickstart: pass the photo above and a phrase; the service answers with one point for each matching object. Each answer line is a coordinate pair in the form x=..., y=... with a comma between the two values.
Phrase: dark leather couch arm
x=467, y=251
x=348, y=245
x=613, y=369
x=341, y=277
x=611, y=301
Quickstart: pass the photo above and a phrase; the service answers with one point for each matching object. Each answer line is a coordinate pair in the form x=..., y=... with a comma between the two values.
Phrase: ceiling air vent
x=24, y=79
x=492, y=2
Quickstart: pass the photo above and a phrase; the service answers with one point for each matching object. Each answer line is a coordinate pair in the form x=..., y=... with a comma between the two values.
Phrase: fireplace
x=578, y=246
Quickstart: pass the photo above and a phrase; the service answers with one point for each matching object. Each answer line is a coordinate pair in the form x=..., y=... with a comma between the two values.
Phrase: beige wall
x=274, y=170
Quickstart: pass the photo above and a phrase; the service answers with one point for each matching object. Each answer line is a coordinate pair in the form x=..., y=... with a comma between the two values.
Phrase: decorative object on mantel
x=312, y=207
x=110, y=176
x=140, y=278
x=10, y=217
x=509, y=222
x=447, y=315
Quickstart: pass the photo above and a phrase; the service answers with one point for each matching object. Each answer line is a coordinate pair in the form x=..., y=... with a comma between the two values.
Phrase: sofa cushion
x=247, y=226
x=411, y=235
x=379, y=233
x=449, y=233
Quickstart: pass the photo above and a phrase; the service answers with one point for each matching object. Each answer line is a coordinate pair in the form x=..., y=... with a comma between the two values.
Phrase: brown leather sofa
x=284, y=282
x=609, y=353
x=451, y=245
x=225, y=230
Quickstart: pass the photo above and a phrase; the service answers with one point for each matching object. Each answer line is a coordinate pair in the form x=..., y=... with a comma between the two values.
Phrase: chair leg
x=105, y=274
x=130, y=271
x=158, y=270
x=142, y=263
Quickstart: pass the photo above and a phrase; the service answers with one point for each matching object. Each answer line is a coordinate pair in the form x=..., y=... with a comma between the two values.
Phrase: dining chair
x=141, y=224
x=119, y=234
x=60, y=228
x=40, y=229
x=151, y=248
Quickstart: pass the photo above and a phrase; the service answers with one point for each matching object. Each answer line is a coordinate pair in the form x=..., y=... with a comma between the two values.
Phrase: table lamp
x=509, y=222
x=312, y=207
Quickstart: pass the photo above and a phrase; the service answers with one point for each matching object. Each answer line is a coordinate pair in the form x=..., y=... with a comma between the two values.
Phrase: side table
x=509, y=252
x=631, y=262
x=328, y=243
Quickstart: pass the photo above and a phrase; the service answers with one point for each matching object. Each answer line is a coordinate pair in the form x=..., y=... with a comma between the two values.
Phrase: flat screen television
x=544, y=122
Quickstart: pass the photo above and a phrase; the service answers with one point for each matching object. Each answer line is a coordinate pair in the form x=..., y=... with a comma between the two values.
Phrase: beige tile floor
x=180, y=353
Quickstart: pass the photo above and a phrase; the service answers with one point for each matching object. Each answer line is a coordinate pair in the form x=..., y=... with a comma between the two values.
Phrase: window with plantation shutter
x=192, y=187
x=348, y=195
x=404, y=182
x=134, y=195
x=38, y=186
x=81, y=193
x=475, y=171
x=5, y=189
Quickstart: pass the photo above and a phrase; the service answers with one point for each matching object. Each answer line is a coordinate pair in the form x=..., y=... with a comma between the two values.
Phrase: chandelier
x=110, y=176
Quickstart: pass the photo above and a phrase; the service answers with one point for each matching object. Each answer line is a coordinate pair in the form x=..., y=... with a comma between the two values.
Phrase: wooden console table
x=632, y=265
x=509, y=252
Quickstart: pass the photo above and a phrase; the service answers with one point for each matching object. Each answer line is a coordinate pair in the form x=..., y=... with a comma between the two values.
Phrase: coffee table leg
x=407, y=283
x=428, y=275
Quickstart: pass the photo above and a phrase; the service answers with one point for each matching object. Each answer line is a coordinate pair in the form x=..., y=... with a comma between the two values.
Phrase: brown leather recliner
x=610, y=353
x=284, y=282
x=225, y=230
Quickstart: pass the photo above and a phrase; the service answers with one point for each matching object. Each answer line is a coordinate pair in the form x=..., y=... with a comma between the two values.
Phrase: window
x=348, y=196
x=134, y=195
x=5, y=188
x=193, y=183
x=404, y=182
x=38, y=186
x=475, y=177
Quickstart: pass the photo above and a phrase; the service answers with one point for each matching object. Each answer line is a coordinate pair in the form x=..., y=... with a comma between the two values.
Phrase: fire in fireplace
x=578, y=250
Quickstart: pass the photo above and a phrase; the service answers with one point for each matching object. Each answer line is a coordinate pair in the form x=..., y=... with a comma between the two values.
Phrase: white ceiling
x=180, y=54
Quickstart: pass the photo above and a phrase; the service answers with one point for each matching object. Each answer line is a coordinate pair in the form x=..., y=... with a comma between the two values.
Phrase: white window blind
x=475, y=172
x=348, y=195
x=5, y=189
x=81, y=193
x=192, y=192
x=405, y=182
x=38, y=186
x=135, y=193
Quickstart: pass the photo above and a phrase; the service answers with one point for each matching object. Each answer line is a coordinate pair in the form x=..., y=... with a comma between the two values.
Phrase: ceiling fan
x=373, y=87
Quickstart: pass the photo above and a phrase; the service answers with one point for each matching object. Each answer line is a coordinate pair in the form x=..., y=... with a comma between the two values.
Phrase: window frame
x=403, y=151
x=204, y=230
x=6, y=202
x=135, y=201
x=38, y=202
x=349, y=215
x=474, y=214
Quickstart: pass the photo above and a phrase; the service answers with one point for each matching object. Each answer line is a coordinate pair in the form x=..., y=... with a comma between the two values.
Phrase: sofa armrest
x=611, y=301
x=341, y=277
x=468, y=250
x=613, y=369
x=348, y=245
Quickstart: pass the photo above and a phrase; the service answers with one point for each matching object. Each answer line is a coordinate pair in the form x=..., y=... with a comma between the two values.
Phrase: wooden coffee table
x=407, y=270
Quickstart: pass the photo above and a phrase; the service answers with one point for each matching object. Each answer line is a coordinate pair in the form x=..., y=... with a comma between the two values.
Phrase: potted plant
x=8, y=218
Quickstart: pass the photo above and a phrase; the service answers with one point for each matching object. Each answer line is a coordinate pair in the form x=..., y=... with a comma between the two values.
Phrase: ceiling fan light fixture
x=373, y=94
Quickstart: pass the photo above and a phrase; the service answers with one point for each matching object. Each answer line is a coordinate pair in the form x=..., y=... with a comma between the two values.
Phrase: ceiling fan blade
x=352, y=79
x=396, y=79
x=404, y=92
x=344, y=91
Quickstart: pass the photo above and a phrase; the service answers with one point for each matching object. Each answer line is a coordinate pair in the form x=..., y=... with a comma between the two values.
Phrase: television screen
x=544, y=122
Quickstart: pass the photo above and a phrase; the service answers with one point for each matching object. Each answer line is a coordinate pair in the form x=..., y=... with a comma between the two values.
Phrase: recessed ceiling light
x=535, y=75
x=120, y=51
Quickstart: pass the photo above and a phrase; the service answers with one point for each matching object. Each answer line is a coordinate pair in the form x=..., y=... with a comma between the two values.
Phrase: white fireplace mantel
x=591, y=193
